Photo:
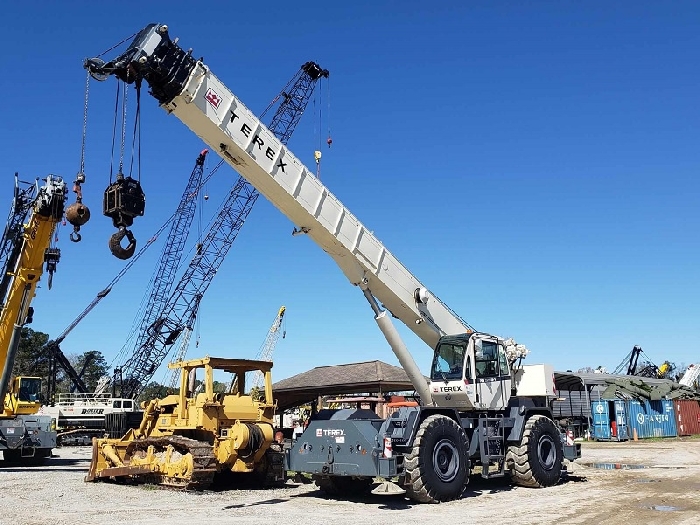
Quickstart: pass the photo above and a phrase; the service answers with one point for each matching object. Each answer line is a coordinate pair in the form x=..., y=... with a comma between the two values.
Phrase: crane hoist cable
x=329, y=140
x=124, y=198
x=78, y=214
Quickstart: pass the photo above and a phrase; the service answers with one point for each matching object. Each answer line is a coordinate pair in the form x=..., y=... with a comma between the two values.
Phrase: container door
x=601, y=419
x=669, y=426
x=621, y=420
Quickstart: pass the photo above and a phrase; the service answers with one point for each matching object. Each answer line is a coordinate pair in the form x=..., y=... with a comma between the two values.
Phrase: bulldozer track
x=203, y=459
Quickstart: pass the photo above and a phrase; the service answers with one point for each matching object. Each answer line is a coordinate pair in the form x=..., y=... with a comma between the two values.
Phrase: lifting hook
x=115, y=244
x=77, y=213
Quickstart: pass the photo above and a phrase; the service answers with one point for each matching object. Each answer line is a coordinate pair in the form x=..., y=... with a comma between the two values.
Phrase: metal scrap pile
x=636, y=388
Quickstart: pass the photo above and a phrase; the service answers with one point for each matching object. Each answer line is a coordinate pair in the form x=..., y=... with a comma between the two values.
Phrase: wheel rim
x=446, y=460
x=546, y=452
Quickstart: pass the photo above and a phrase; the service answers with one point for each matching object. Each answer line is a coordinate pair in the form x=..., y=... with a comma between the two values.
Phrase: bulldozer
x=184, y=440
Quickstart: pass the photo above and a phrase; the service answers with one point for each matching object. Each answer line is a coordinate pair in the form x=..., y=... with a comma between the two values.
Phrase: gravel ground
x=664, y=492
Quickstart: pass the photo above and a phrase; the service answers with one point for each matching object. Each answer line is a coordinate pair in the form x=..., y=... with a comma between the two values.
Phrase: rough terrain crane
x=25, y=435
x=481, y=406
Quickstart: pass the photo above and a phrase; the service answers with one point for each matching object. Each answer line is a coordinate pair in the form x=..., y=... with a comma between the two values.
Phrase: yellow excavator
x=27, y=249
x=185, y=439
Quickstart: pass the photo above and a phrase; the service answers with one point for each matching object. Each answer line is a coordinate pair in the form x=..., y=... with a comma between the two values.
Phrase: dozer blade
x=174, y=461
x=128, y=470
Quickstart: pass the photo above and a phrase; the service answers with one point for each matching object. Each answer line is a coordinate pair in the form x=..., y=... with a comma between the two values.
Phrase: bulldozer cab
x=241, y=371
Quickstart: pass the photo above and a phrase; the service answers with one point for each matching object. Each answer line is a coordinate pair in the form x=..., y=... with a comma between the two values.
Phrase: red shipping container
x=687, y=416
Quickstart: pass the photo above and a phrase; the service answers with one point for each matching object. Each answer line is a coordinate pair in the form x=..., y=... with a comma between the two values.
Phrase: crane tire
x=537, y=460
x=344, y=486
x=437, y=467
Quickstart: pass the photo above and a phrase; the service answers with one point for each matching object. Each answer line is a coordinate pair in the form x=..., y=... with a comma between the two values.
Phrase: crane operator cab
x=470, y=371
x=24, y=396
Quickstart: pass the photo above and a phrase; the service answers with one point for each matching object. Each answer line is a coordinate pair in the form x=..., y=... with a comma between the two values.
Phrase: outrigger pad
x=388, y=488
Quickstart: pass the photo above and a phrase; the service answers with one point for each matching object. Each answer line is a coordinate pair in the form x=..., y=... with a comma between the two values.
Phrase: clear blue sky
x=535, y=164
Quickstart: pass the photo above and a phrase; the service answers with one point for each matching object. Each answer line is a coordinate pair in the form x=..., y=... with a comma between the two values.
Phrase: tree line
x=33, y=359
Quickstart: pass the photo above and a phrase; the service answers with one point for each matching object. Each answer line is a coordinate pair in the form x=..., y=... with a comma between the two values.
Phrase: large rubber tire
x=437, y=468
x=537, y=461
x=344, y=486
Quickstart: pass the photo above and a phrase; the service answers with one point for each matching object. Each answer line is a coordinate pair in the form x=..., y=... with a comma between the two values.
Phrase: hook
x=75, y=236
x=115, y=244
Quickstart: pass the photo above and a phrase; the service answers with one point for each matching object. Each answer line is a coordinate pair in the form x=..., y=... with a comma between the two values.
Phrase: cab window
x=448, y=362
x=503, y=361
x=29, y=389
x=116, y=404
x=486, y=353
x=127, y=404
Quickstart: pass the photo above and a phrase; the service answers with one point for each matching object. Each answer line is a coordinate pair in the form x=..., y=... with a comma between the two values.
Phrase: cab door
x=492, y=372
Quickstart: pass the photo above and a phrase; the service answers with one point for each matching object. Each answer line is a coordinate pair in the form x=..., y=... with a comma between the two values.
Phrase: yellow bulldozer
x=185, y=439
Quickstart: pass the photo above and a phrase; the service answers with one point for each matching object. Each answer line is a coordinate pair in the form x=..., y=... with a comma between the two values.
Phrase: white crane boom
x=188, y=89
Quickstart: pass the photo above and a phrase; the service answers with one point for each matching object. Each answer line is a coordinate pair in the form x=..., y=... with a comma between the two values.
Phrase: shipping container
x=609, y=420
x=687, y=416
x=651, y=418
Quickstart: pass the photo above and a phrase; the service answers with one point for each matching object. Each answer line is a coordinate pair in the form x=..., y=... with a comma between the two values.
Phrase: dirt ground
x=602, y=488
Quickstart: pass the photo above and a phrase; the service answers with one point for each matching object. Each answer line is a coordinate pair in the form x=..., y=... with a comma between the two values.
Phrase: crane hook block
x=123, y=200
x=115, y=245
x=77, y=214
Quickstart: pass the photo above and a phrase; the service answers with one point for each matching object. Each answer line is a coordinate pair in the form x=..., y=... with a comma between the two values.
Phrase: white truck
x=481, y=406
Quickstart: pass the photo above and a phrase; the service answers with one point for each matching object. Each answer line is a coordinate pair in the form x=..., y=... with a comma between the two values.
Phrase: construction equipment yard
x=662, y=489
x=528, y=195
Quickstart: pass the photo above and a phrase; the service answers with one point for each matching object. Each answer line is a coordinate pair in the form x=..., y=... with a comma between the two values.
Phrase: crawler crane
x=481, y=406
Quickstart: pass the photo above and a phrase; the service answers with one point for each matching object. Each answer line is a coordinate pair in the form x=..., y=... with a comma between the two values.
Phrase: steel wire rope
x=114, y=131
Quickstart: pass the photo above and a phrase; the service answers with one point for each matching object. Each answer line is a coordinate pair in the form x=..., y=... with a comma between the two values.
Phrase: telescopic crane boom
x=189, y=90
x=22, y=432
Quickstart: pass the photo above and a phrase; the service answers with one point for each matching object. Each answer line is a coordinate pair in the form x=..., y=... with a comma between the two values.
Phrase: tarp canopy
x=624, y=386
x=374, y=377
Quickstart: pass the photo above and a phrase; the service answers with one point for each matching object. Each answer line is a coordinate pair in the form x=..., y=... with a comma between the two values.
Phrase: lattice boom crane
x=166, y=322
x=268, y=347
